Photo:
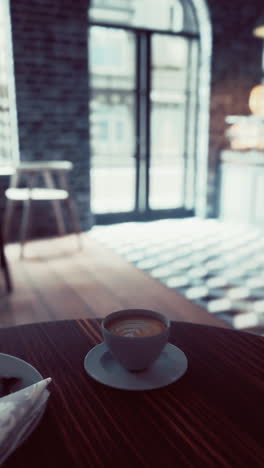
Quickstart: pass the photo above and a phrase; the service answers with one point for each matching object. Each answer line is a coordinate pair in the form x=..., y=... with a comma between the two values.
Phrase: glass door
x=171, y=128
x=142, y=123
x=143, y=82
x=112, y=66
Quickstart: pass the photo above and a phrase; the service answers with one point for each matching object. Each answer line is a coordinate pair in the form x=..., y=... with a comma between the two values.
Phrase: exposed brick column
x=236, y=68
x=50, y=55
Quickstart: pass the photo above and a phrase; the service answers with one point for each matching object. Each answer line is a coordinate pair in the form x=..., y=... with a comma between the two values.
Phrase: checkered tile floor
x=215, y=264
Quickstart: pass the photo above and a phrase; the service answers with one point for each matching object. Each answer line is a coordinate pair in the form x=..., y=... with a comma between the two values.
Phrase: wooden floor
x=56, y=280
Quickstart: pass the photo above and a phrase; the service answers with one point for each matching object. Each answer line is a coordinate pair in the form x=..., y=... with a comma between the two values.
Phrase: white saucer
x=169, y=367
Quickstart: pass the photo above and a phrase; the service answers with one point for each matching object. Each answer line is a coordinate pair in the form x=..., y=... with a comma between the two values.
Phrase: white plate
x=169, y=367
x=11, y=366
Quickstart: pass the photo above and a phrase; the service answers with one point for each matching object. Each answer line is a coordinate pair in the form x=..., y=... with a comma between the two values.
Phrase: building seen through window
x=169, y=15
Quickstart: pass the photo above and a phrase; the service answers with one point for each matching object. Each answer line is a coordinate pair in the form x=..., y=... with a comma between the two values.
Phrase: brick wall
x=236, y=68
x=50, y=54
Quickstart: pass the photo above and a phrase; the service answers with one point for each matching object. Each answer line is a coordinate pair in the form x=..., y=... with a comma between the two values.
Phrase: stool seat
x=46, y=194
x=41, y=166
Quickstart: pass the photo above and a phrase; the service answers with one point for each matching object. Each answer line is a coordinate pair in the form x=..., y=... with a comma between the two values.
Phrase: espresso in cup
x=135, y=337
x=137, y=326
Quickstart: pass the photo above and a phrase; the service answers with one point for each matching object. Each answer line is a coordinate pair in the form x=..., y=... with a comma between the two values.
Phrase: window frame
x=142, y=209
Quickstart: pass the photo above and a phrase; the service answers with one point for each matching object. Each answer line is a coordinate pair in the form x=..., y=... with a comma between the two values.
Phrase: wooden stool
x=4, y=265
x=50, y=192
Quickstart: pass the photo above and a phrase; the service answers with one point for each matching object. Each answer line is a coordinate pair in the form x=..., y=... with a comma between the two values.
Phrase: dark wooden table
x=212, y=416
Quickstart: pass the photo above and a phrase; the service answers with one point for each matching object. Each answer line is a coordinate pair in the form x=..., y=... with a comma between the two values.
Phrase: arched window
x=8, y=118
x=149, y=88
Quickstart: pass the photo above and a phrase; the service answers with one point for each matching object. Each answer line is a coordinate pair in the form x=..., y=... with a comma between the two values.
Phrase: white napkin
x=19, y=411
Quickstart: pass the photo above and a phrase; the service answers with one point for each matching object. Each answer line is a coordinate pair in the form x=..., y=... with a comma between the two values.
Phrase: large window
x=143, y=79
x=8, y=124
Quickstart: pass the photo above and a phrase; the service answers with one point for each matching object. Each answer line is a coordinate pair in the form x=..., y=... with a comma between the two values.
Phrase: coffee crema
x=136, y=326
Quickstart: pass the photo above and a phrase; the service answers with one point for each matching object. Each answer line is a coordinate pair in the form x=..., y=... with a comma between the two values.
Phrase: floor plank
x=57, y=281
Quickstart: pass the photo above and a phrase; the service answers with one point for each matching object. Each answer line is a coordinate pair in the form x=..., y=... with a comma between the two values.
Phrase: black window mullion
x=186, y=126
x=197, y=110
x=142, y=121
x=138, y=119
x=191, y=153
x=148, y=115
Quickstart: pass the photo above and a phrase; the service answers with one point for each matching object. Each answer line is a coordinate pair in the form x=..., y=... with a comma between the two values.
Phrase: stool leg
x=4, y=266
x=24, y=225
x=71, y=207
x=7, y=218
x=56, y=205
x=14, y=181
x=75, y=220
x=27, y=206
x=59, y=217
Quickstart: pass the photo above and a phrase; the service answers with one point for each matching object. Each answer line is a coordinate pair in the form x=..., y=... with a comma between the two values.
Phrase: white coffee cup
x=136, y=352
